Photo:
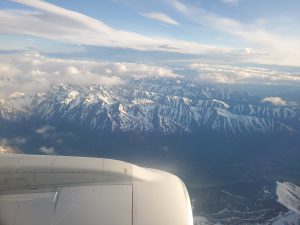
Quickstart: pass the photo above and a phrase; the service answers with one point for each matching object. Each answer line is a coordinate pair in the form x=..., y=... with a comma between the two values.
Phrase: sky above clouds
x=223, y=41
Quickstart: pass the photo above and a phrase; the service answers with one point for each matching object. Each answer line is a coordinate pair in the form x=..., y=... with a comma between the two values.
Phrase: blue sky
x=225, y=41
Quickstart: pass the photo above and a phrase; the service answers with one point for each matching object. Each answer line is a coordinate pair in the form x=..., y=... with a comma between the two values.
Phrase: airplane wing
x=63, y=190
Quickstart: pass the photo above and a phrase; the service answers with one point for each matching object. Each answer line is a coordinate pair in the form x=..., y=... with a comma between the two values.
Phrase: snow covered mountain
x=9, y=113
x=289, y=196
x=167, y=106
x=275, y=203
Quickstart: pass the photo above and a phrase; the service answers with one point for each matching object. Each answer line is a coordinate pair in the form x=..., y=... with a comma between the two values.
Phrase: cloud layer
x=243, y=75
x=33, y=72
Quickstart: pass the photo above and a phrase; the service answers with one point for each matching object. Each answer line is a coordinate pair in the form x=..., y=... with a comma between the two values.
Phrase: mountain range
x=164, y=106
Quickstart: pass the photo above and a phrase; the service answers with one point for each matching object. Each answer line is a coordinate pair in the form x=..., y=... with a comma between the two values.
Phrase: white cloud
x=77, y=28
x=7, y=149
x=277, y=101
x=20, y=140
x=13, y=141
x=44, y=129
x=25, y=73
x=273, y=48
x=46, y=150
x=231, y=2
x=4, y=141
x=71, y=70
x=242, y=75
x=17, y=95
x=179, y=6
x=160, y=17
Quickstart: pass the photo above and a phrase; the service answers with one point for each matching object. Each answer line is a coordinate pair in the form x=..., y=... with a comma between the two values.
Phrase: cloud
x=231, y=2
x=57, y=23
x=47, y=151
x=77, y=29
x=44, y=129
x=4, y=141
x=29, y=73
x=26, y=74
x=165, y=149
x=19, y=140
x=243, y=75
x=179, y=6
x=160, y=17
x=7, y=149
x=273, y=48
x=277, y=101
x=13, y=141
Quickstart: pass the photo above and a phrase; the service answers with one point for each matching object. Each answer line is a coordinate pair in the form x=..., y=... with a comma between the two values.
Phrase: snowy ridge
x=11, y=114
x=289, y=195
x=289, y=218
x=285, y=193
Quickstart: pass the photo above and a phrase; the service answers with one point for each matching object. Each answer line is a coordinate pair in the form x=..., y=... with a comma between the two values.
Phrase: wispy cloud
x=160, y=17
x=231, y=2
x=276, y=48
x=53, y=22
